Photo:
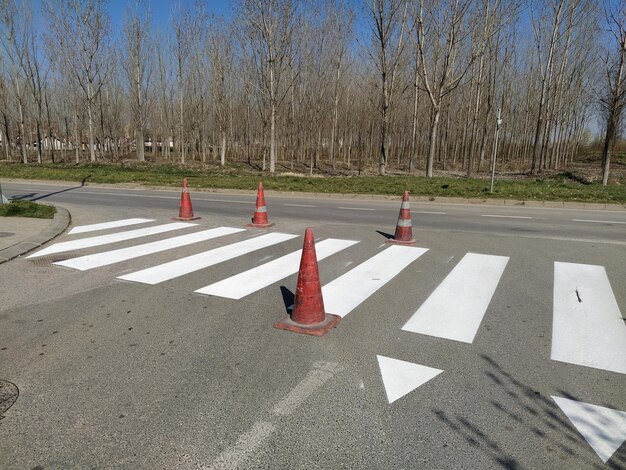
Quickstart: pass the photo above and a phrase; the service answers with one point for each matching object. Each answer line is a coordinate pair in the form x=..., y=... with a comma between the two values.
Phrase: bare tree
x=83, y=52
x=388, y=33
x=270, y=29
x=614, y=101
x=138, y=68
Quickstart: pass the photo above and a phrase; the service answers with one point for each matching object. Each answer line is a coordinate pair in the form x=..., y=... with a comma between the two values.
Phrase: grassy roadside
x=27, y=209
x=561, y=187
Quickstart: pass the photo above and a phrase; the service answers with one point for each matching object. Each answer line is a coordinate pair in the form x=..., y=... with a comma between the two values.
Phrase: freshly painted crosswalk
x=189, y=264
x=347, y=292
x=252, y=280
x=111, y=238
x=83, y=263
x=108, y=225
x=588, y=328
x=457, y=306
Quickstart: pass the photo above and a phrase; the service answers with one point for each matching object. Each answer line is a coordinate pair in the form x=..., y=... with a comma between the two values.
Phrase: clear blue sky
x=162, y=9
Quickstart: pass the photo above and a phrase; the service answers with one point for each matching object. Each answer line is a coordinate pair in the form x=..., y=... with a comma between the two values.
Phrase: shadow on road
x=31, y=196
x=540, y=415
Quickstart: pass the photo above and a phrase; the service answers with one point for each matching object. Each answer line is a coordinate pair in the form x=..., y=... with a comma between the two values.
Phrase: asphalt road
x=118, y=374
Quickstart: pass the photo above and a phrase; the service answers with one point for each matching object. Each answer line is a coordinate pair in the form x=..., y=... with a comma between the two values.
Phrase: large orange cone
x=260, y=212
x=308, y=315
x=186, y=211
x=404, y=231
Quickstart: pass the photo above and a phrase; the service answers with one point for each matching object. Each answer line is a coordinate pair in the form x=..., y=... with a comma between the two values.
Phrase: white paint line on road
x=112, y=238
x=356, y=209
x=107, y=225
x=346, y=292
x=106, y=258
x=427, y=212
x=248, y=443
x=603, y=428
x=299, y=205
x=235, y=456
x=315, y=379
x=190, y=264
x=599, y=221
x=401, y=377
x=152, y=196
x=507, y=216
x=587, y=328
x=254, y=279
x=456, y=307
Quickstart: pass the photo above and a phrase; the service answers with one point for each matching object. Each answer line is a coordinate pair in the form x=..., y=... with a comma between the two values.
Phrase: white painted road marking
x=190, y=264
x=507, y=216
x=83, y=263
x=356, y=209
x=250, y=281
x=457, y=306
x=401, y=377
x=107, y=225
x=153, y=196
x=599, y=221
x=587, y=327
x=427, y=212
x=346, y=292
x=322, y=371
x=112, y=238
x=247, y=443
x=299, y=205
x=603, y=428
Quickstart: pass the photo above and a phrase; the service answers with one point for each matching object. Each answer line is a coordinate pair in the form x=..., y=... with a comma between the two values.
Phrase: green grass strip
x=27, y=209
x=560, y=187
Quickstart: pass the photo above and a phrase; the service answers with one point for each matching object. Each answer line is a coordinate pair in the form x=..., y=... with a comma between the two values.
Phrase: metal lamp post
x=495, y=150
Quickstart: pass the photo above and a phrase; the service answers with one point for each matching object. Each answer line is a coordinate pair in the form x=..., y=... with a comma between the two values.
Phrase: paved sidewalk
x=19, y=235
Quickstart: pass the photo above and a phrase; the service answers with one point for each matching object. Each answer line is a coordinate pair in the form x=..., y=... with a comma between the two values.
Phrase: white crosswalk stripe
x=108, y=225
x=247, y=282
x=190, y=264
x=111, y=238
x=588, y=328
x=457, y=306
x=347, y=292
x=83, y=263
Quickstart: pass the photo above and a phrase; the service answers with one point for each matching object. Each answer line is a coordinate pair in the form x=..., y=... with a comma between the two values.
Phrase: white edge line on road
x=166, y=197
x=599, y=221
x=298, y=205
x=356, y=208
x=427, y=212
x=507, y=216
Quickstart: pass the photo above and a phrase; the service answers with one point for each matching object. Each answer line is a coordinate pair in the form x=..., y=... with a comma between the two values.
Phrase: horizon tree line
x=407, y=85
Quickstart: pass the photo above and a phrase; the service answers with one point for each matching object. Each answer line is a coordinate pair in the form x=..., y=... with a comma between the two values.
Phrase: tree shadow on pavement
x=31, y=196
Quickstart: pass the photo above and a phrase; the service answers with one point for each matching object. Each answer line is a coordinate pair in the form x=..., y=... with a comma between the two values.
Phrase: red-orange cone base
x=186, y=211
x=404, y=231
x=260, y=212
x=308, y=315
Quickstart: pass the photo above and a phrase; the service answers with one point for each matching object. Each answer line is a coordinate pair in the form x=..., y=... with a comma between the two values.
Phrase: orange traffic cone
x=308, y=315
x=404, y=231
x=186, y=211
x=260, y=212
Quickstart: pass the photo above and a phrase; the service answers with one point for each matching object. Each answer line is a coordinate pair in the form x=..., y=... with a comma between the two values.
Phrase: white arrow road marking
x=401, y=377
x=112, y=238
x=588, y=328
x=190, y=264
x=347, y=292
x=250, y=281
x=603, y=428
x=106, y=225
x=457, y=306
x=106, y=258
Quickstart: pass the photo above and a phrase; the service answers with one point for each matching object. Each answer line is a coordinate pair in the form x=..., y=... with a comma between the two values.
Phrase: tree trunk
x=434, y=127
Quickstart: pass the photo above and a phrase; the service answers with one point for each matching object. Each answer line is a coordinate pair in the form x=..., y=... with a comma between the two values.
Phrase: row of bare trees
x=316, y=84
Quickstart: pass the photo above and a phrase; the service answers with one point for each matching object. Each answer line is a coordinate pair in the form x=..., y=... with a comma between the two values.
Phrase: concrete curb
x=58, y=225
